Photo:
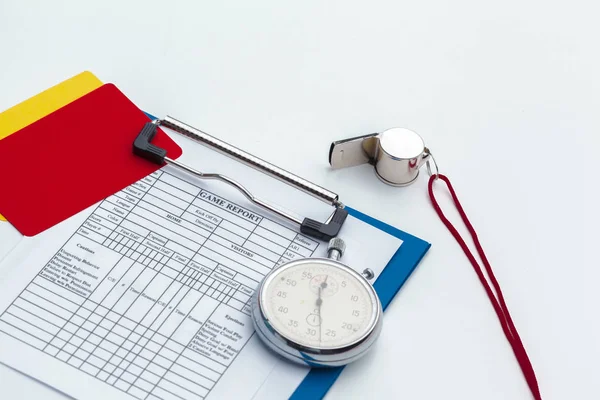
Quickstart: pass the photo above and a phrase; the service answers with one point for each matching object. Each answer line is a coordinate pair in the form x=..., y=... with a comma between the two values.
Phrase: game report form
x=146, y=295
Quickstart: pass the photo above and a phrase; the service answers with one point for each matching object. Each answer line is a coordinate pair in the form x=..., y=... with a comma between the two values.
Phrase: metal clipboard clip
x=143, y=147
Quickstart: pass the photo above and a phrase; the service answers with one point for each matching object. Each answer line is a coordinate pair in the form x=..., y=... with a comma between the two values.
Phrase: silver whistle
x=397, y=154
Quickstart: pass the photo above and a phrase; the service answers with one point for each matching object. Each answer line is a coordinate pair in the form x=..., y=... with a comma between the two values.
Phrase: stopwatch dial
x=319, y=305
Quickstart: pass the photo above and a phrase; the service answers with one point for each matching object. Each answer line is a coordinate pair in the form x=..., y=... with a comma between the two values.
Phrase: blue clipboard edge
x=318, y=381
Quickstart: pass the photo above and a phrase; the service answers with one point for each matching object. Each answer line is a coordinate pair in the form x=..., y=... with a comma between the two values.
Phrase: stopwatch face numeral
x=319, y=305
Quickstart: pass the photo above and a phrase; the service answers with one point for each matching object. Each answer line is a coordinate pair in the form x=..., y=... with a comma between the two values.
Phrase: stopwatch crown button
x=336, y=248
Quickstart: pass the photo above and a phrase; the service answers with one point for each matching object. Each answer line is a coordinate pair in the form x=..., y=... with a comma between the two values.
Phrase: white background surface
x=506, y=95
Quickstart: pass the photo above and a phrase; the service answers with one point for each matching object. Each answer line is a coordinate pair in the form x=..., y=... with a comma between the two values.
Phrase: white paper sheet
x=145, y=295
x=10, y=238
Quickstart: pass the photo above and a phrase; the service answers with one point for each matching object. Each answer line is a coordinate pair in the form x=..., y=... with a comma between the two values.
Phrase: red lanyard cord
x=510, y=331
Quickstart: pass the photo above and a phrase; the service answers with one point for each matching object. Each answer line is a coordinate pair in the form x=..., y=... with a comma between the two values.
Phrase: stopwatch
x=318, y=311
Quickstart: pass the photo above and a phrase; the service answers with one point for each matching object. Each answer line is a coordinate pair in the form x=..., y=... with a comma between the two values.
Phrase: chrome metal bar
x=248, y=159
x=235, y=184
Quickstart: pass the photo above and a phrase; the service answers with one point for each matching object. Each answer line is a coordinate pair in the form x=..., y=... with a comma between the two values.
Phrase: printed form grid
x=184, y=261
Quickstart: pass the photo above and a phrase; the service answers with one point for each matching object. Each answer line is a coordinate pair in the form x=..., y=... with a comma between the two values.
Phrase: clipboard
x=318, y=381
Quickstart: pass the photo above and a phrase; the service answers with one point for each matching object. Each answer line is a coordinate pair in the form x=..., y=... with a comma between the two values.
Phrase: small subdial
x=313, y=320
x=325, y=283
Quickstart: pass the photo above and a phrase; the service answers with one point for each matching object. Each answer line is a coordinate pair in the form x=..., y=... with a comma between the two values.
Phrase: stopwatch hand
x=319, y=303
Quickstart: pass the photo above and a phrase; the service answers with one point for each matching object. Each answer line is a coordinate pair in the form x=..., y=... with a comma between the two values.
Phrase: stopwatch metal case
x=313, y=356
